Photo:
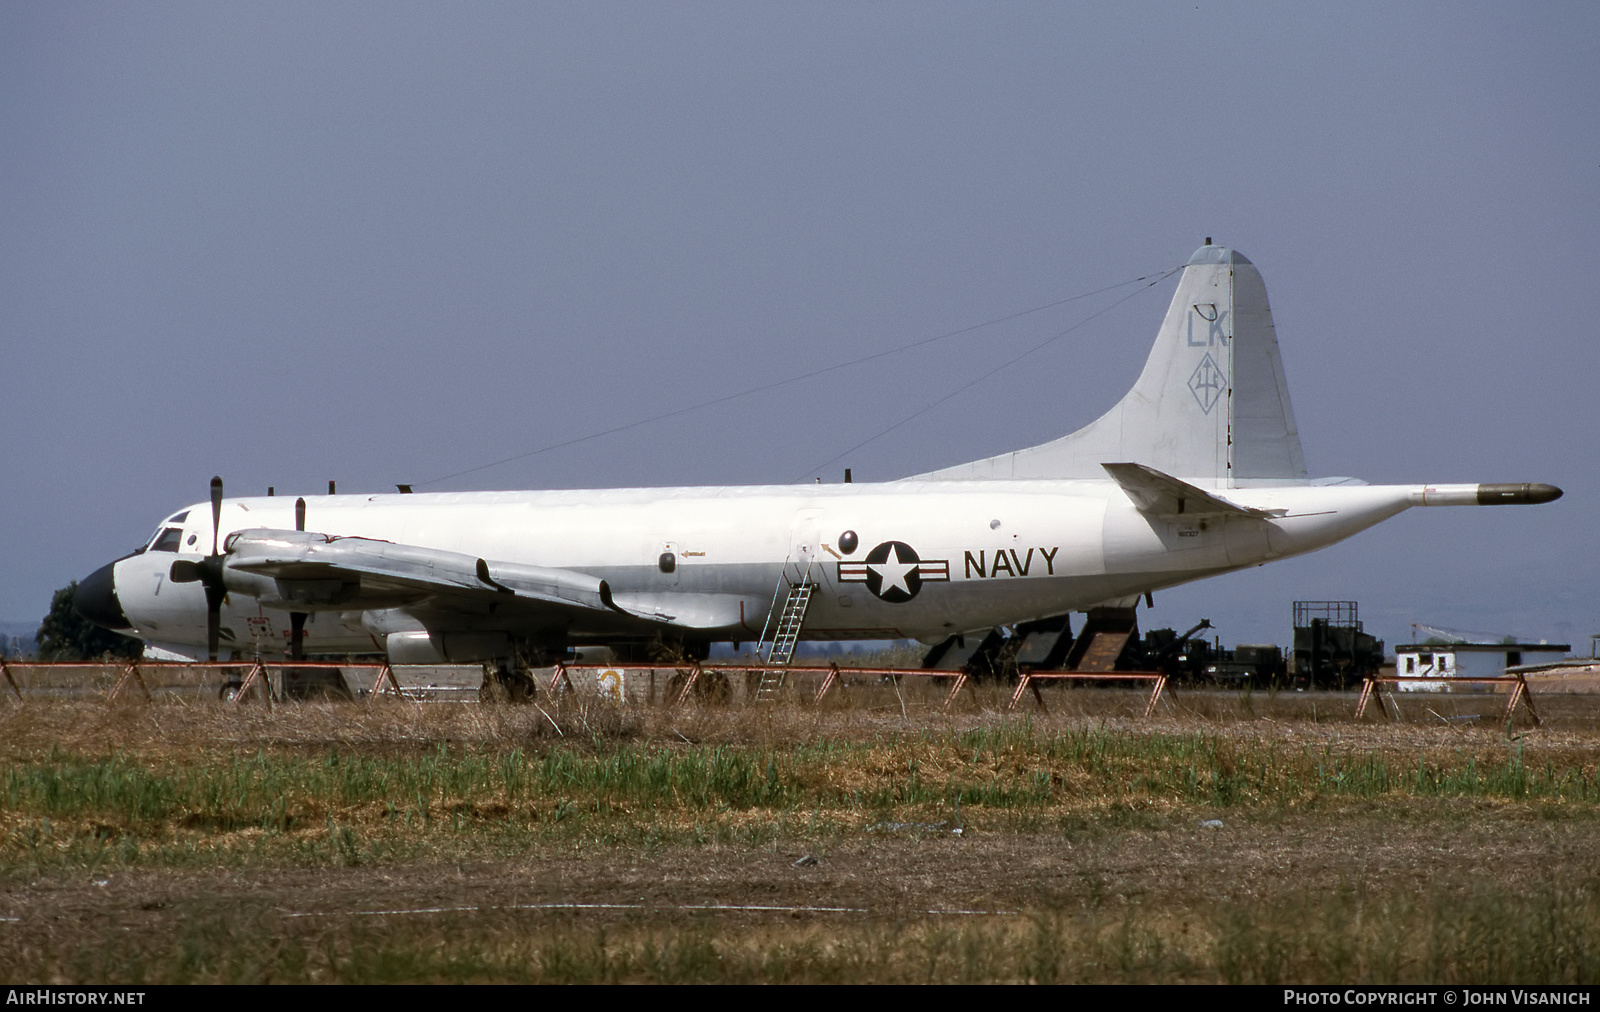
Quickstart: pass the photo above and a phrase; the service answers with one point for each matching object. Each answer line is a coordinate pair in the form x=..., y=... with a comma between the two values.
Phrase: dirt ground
x=900, y=874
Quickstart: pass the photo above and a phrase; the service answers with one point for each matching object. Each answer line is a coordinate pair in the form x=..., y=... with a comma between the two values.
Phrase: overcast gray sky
x=390, y=242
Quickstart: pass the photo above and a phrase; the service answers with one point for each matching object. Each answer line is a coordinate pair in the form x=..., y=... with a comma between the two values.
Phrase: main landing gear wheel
x=503, y=685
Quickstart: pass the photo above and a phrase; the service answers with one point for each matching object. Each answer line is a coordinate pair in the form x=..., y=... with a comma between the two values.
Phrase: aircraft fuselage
x=921, y=559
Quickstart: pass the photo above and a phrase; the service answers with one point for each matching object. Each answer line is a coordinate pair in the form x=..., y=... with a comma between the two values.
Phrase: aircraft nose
x=96, y=599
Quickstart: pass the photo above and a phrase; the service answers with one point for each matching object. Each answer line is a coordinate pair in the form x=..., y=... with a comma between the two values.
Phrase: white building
x=1429, y=663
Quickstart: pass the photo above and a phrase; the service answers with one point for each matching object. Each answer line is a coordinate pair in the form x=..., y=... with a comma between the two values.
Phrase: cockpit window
x=169, y=540
x=178, y=518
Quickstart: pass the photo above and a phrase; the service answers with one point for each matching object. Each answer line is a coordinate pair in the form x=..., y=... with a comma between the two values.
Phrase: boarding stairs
x=782, y=631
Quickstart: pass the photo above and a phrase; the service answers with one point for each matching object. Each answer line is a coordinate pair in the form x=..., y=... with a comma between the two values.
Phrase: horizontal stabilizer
x=1162, y=495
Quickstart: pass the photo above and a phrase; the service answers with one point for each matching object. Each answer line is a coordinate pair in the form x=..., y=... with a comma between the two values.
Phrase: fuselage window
x=169, y=540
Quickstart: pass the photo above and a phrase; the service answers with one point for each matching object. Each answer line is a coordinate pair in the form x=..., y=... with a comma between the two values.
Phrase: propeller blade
x=213, y=619
x=216, y=511
x=299, y=514
x=297, y=635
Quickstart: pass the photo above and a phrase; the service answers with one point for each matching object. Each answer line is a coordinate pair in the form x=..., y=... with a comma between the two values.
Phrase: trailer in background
x=1331, y=650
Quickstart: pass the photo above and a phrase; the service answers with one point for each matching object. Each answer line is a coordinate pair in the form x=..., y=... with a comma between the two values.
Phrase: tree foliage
x=66, y=635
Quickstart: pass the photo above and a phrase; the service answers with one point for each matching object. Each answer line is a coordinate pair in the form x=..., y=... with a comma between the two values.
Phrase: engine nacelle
x=418, y=646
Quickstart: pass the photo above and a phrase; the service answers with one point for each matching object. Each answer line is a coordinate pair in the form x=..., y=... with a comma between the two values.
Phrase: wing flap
x=693, y=611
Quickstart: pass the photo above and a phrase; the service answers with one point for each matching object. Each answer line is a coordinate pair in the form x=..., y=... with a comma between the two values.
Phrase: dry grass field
x=1231, y=838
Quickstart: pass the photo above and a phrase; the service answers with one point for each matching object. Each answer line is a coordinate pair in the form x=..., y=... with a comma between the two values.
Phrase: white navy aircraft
x=1197, y=471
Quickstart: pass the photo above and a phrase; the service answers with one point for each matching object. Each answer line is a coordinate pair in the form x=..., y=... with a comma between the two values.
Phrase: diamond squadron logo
x=893, y=572
x=1207, y=383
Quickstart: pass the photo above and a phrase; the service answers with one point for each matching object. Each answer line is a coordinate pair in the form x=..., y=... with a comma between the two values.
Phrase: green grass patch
x=345, y=806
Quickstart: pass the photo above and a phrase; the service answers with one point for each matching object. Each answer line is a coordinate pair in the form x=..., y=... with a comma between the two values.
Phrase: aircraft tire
x=506, y=686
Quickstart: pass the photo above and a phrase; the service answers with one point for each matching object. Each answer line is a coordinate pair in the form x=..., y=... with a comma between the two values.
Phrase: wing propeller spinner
x=208, y=572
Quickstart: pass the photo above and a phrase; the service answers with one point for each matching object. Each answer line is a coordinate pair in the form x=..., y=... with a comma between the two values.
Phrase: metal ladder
x=784, y=627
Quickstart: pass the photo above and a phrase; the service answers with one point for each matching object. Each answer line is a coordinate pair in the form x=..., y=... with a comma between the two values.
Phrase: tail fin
x=1211, y=406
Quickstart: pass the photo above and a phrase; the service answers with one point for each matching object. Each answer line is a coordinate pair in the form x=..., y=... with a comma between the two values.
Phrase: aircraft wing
x=300, y=569
x=1157, y=494
x=310, y=568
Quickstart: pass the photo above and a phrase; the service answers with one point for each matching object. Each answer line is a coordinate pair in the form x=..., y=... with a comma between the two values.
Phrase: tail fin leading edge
x=1211, y=406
